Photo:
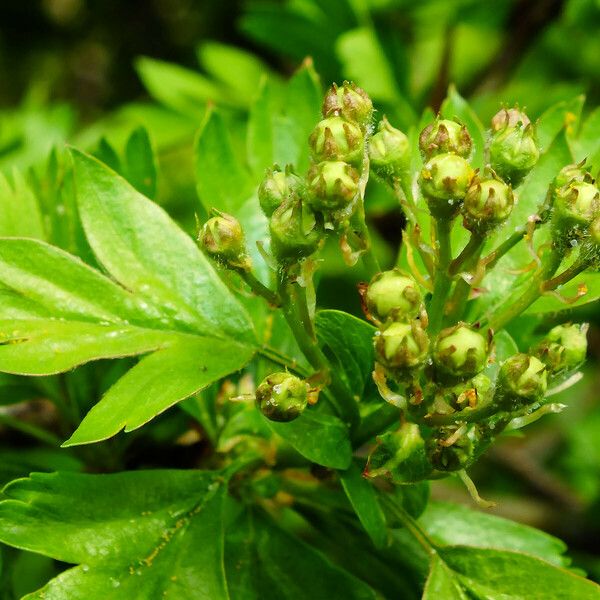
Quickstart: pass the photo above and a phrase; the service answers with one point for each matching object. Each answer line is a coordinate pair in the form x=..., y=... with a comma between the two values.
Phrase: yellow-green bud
x=296, y=231
x=401, y=346
x=513, y=148
x=400, y=456
x=393, y=295
x=575, y=207
x=564, y=347
x=460, y=351
x=332, y=185
x=282, y=397
x=522, y=380
x=444, y=135
x=595, y=232
x=389, y=150
x=349, y=101
x=444, y=182
x=222, y=238
x=276, y=187
x=488, y=203
x=336, y=138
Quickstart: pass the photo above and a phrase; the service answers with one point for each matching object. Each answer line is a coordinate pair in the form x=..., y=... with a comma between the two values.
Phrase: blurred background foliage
x=131, y=82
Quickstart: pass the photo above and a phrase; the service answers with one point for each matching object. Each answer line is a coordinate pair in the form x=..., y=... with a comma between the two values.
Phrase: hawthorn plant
x=323, y=429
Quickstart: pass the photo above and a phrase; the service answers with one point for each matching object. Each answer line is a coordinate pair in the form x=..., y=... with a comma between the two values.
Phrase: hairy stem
x=442, y=281
x=512, y=307
x=259, y=288
x=296, y=314
x=411, y=526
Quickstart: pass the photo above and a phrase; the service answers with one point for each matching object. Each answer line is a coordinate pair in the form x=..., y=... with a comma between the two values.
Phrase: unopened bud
x=444, y=182
x=400, y=456
x=282, y=397
x=349, y=101
x=488, y=203
x=564, y=347
x=276, y=187
x=389, y=150
x=333, y=185
x=522, y=380
x=460, y=351
x=336, y=138
x=296, y=231
x=444, y=135
x=392, y=295
x=222, y=238
x=576, y=205
x=402, y=346
x=513, y=148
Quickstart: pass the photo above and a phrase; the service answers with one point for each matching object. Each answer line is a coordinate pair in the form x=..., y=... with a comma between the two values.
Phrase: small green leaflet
x=321, y=438
x=164, y=297
x=143, y=534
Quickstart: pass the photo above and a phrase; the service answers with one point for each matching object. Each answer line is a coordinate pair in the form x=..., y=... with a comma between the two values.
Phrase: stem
x=295, y=312
x=32, y=430
x=467, y=258
x=493, y=257
x=468, y=255
x=577, y=267
x=374, y=423
x=512, y=308
x=278, y=358
x=259, y=288
x=442, y=279
x=411, y=526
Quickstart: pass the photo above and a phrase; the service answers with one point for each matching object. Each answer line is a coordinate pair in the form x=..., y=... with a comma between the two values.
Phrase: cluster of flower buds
x=393, y=302
x=282, y=397
x=337, y=146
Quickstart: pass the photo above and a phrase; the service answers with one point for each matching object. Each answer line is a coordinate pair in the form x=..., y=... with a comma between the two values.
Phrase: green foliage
x=97, y=264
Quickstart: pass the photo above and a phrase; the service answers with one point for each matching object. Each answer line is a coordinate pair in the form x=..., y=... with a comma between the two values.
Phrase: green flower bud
x=460, y=351
x=443, y=136
x=564, y=347
x=296, y=231
x=276, y=187
x=400, y=456
x=389, y=150
x=488, y=203
x=513, y=148
x=522, y=380
x=222, y=238
x=349, y=101
x=458, y=455
x=336, y=138
x=401, y=346
x=282, y=397
x=473, y=393
x=572, y=174
x=393, y=295
x=444, y=182
x=332, y=185
x=575, y=207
